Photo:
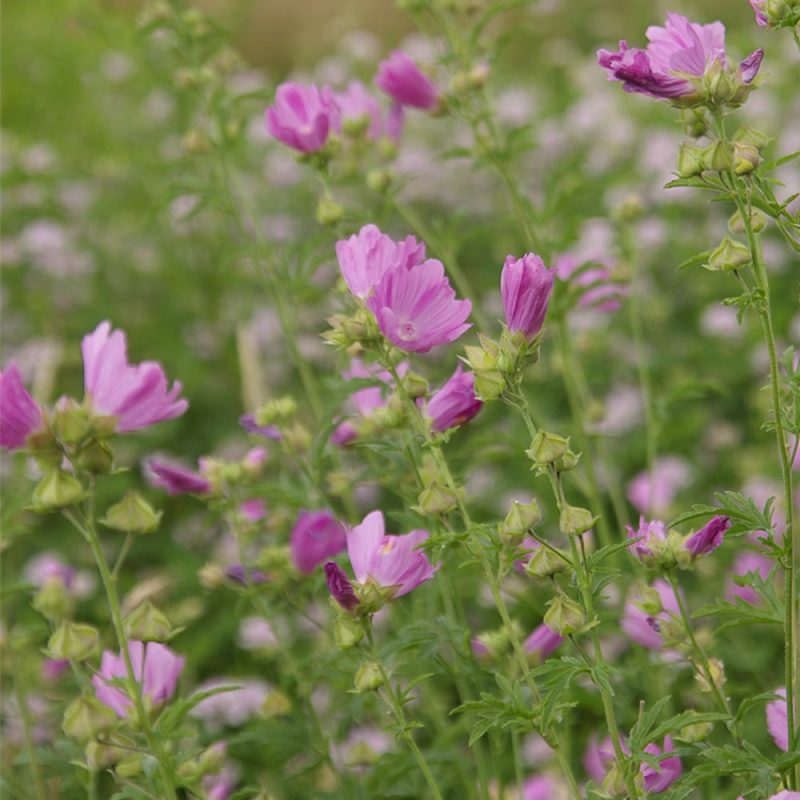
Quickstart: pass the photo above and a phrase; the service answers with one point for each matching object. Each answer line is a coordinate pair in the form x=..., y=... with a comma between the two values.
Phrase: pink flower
x=758, y=9
x=340, y=587
x=643, y=628
x=786, y=795
x=669, y=768
x=137, y=396
x=367, y=256
x=777, y=723
x=221, y=785
x=175, y=479
x=680, y=49
x=455, y=403
x=248, y=422
x=538, y=787
x=45, y=567
x=417, y=309
x=233, y=707
x=302, y=117
x=316, y=536
x=744, y=564
x=654, y=494
x=709, y=537
x=401, y=79
x=253, y=510
x=526, y=285
x=393, y=563
x=597, y=758
x=356, y=103
x=20, y=414
x=542, y=642
x=155, y=667
x=651, y=533
x=596, y=283
x=54, y=668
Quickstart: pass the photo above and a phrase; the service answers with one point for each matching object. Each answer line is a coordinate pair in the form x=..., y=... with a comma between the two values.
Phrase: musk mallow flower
x=316, y=536
x=777, y=724
x=659, y=779
x=174, y=478
x=402, y=80
x=746, y=563
x=676, y=60
x=135, y=395
x=358, y=107
x=302, y=117
x=541, y=643
x=758, y=10
x=651, y=538
x=365, y=257
x=155, y=667
x=417, y=309
x=709, y=537
x=646, y=628
x=455, y=403
x=526, y=284
x=20, y=414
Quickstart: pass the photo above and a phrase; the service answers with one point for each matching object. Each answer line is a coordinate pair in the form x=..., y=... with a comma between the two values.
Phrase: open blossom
x=526, y=284
x=302, y=117
x=676, y=54
x=368, y=255
x=402, y=80
x=542, y=642
x=777, y=724
x=455, y=403
x=175, y=479
x=744, y=564
x=643, y=628
x=659, y=779
x=417, y=309
x=20, y=414
x=316, y=536
x=136, y=395
x=649, y=534
x=155, y=667
x=234, y=707
x=653, y=494
x=709, y=537
x=538, y=787
x=356, y=104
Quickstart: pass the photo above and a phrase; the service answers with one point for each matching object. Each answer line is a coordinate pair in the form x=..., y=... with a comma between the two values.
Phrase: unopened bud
x=745, y=158
x=195, y=142
x=52, y=600
x=717, y=670
x=649, y=601
x=544, y=563
x=379, y=180
x=101, y=756
x=718, y=156
x=568, y=461
x=279, y=410
x=690, y=160
x=129, y=767
x=70, y=421
x=415, y=385
x=147, y=624
x=86, y=718
x=95, y=457
x=751, y=136
x=547, y=447
x=133, y=514
x=73, y=641
x=57, y=489
x=573, y=521
x=758, y=221
x=328, y=211
x=276, y=704
x=698, y=732
x=436, y=499
x=519, y=520
x=347, y=632
x=369, y=677
x=729, y=255
x=297, y=438
x=489, y=385
x=564, y=615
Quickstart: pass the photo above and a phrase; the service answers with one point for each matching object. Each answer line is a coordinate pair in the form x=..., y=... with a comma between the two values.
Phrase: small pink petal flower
x=644, y=629
x=648, y=534
x=597, y=758
x=653, y=494
x=417, y=309
x=744, y=564
x=777, y=724
x=758, y=9
x=402, y=80
x=20, y=414
x=316, y=536
x=253, y=510
x=302, y=117
x=155, y=667
x=542, y=642
x=175, y=479
x=668, y=771
x=709, y=537
x=356, y=103
x=538, y=787
x=526, y=284
x=137, y=396
x=455, y=403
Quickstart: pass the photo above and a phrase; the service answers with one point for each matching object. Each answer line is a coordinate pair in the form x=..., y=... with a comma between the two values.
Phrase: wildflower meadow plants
x=462, y=458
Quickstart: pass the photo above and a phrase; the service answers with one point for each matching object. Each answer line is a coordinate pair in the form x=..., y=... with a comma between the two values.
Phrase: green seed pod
x=133, y=514
x=73, y=641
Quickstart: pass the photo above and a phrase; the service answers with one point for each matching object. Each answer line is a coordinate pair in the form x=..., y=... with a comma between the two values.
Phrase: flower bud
x=690, y=160
x=757, y=219
x=276, y=704
x=519, y=520
x=544, y=563
x=436, y=499
x=415, y=385
x=328, y=211
x=574, y=521
x=86, y=718
x=568, y=461
x=279, y=410
x=729, y=255
x=297, y=438
x=698, y=732
x=133, y=514
x=695, y=122
x=129, y=767
x=361, y=754
x=747, y=135
x=489, y=385
x=369, y=677
x=52, y=600
x=147, y=624
x=717, y=669
x=95, y=457
x=347, y=632
x=745, y=158
x=564, y=615
x=379, y=180
x=718, y=156
x=649, y=601
x=547, y=447
x=57, y=489
x=212, y=759
x=101, y=756
x=73, y=641
x=70, y=421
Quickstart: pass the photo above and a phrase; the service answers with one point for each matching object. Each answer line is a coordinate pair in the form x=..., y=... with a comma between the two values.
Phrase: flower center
x=407, y=331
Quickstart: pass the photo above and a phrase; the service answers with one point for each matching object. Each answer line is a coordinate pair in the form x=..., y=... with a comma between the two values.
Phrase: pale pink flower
x=402, y=80
x=454, y=404
x=135, y=395
x=538, y=787
x=542, y=642
x=777, y=724
x=744, y=564
x=643, y=628
x=356, y=103
x=254, y=509
x=669, y=768
x=654, y=494
x=20, y=414
x=758, y=9
x=648, y=533
x=302, y=117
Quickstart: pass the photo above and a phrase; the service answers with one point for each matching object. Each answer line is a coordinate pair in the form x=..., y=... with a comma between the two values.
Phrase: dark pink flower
x=596, y=283
x=669, y=769
x=136, y=395
x=758, y=9
x=455, y=403
x=526, y=284
x=248, y=422
x=340, y=587
x=709, y=537
x=542, y=642
x=155, y=667
x=316, y=536
x=402, y=80
x=175, y=479
x=20, y=414
x=238, y=573
x=644, y=628
x=302, y=117
x=368, y=255
x=777, y=724
x=54, y=668
x=597, y=757
x=417, y=309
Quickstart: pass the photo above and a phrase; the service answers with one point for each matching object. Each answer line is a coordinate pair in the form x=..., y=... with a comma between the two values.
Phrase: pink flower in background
x=538, y=787
x=392, y=562
x=542, y=642
x=368, y=255
x=221, y=785
x=777, y=723
x=597, y=757
x=231, y=708
x=680, y=49
x=758, y=9
x=402, y=80
x=669, y=768
x=54, y=668
x=643, y=628
x=248, y=422
x=137, y=396
x=746, y=563
x=253, y=510
x=709, y=537
x=526, y=284
x=20, y=414
x=175, y=479
x=155, y=667
x=316, y=536
x=786, y=794
x=651, y=533
x=454, y=404
x=598, y=289
x=417, y=309
x=356, y=103
x=47, y=566
x=654, y=496
x=302, y=117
